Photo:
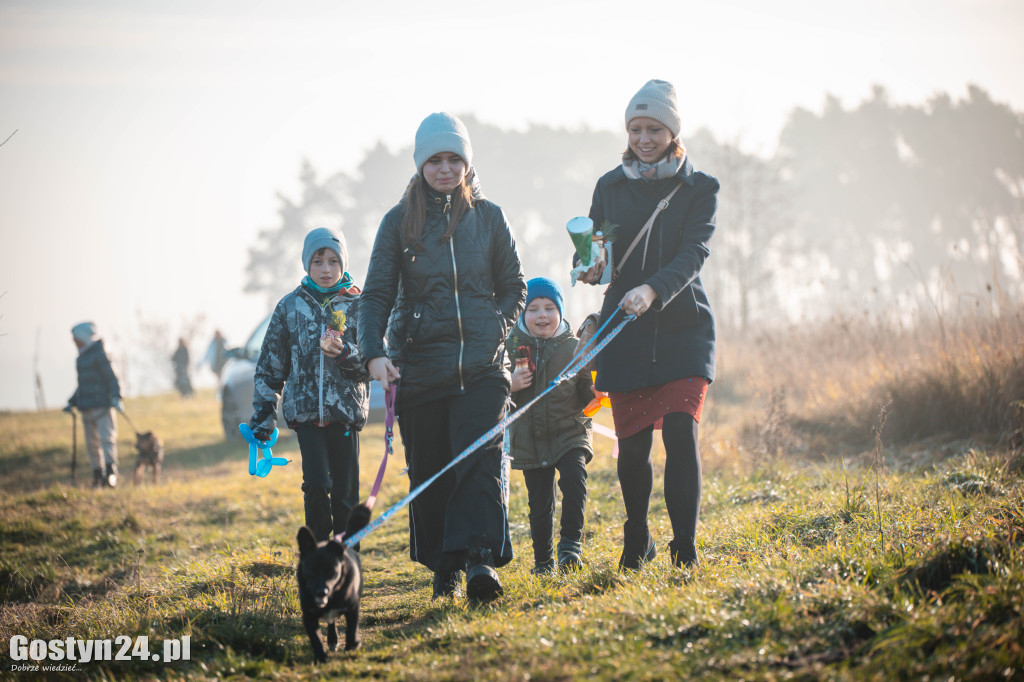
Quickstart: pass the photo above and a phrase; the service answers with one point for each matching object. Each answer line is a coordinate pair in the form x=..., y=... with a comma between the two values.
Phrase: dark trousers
x=465, y=507
x=540, y=487
x=682, y=475
x=330, y=476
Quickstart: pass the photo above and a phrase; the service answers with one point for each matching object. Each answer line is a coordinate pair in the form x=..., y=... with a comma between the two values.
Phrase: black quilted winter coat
x=445, y=306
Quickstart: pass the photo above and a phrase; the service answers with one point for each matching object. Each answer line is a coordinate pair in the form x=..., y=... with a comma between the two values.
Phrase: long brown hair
x=675, y=148
x=416, y=199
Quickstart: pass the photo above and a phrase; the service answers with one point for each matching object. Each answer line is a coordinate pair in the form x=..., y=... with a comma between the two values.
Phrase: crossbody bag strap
x=645, y=230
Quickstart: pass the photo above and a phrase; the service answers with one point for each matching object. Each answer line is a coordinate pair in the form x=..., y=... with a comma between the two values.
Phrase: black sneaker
x=446, y=583
x=482, y=583
x=543, y=568
x=569, y=561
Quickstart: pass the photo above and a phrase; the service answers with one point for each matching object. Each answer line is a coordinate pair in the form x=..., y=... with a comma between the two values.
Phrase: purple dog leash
x=389, y=437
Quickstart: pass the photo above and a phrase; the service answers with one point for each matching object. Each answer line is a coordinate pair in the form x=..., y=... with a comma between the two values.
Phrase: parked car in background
x=236, y=386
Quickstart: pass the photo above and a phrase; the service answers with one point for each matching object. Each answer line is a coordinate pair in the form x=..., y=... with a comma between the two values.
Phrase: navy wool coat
x=676, y=337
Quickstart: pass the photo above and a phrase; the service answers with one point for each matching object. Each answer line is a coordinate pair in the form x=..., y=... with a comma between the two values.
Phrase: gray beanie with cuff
x=657, y=100
x=441, y=132
x=323, y=238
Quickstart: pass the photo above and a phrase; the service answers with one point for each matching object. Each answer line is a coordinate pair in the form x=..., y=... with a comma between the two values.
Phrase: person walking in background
x=97, y=396
x=554, y=436
x=309, y=355
x=216, y=353
x=180, y=361
x=445, y=284
x=657, y=370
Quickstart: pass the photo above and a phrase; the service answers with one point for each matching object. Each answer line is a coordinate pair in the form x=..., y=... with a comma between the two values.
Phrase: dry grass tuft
x=821, y=386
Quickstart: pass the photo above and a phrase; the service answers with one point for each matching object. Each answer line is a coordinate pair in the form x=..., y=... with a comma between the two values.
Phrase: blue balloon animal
x=261, y=466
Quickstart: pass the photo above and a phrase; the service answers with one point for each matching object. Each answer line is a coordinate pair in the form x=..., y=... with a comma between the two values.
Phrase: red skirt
x=634, y=411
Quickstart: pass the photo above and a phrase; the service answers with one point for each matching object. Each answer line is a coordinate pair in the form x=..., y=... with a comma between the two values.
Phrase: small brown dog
x=151, y=454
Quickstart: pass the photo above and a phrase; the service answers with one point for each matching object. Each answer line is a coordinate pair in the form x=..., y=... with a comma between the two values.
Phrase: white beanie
x=657, y=100
x=441, y=132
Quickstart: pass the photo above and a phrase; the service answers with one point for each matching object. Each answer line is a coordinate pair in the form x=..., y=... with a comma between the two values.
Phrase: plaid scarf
x=666, y=168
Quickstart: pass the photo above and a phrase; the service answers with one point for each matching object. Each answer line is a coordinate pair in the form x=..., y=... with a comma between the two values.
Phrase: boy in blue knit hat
x=554, y=436
x=310, y=359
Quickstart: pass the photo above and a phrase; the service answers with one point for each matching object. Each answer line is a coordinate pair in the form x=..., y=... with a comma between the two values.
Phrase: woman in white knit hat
x=444, y=285
x=657, y=370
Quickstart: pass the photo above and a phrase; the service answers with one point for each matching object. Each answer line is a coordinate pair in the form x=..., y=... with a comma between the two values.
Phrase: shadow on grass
x=42, y=469
x=48, y=467
x=205, y=456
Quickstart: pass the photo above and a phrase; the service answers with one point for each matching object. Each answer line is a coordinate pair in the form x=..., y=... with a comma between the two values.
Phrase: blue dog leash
x=566, y=374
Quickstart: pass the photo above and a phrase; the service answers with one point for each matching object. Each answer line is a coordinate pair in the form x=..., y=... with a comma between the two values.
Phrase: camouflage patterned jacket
x=317, y=389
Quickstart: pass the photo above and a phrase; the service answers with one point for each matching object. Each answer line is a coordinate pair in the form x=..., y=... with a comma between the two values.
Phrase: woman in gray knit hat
x=445, y=285
x=657, y=370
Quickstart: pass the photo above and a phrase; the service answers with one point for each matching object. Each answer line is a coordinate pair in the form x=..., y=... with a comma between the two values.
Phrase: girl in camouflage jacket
x=310, y=356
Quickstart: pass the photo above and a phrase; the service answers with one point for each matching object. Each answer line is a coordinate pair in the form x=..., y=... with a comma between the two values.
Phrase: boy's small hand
x=521, y=378
x=331, y=346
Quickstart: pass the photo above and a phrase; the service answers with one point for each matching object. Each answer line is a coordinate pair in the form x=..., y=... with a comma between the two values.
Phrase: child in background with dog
x=97, y=396
x=554, y=436
x=310, y=355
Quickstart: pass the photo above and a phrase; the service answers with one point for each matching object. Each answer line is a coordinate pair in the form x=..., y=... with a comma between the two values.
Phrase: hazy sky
x=152, y=137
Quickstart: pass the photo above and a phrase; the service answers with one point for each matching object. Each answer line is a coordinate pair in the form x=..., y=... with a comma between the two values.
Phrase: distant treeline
x=880, y=205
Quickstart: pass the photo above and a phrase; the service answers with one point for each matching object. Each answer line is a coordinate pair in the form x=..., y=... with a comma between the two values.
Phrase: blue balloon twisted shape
x=261, y=466
x=581, y=358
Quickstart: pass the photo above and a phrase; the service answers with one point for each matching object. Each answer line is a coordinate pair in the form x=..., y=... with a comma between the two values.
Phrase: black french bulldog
x=330, y=584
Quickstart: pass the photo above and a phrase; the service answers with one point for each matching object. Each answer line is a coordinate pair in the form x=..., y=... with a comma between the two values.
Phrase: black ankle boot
x=683, y=553
x=637, y=547
x=446, y=583
x=97, y=478
x=482, y=583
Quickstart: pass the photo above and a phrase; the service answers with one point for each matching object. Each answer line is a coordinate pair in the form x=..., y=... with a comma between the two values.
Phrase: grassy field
x=864, y=558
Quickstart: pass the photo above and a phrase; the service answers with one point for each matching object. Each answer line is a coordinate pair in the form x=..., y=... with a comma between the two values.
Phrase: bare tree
x=755, y=220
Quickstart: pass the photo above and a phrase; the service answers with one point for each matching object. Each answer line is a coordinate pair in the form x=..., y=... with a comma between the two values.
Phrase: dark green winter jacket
x=555, y=424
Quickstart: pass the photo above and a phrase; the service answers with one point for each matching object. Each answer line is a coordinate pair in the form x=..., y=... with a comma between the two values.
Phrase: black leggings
x=682, y=474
